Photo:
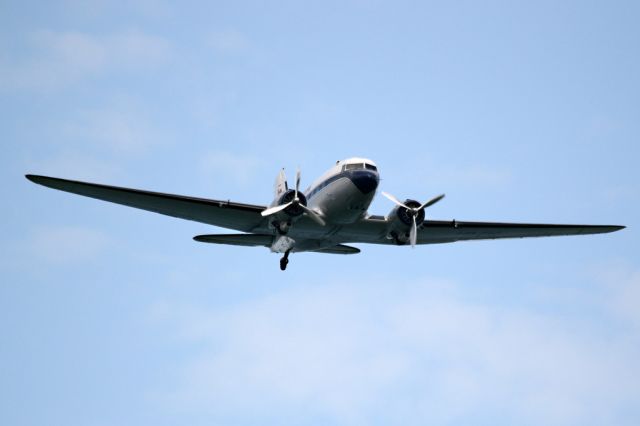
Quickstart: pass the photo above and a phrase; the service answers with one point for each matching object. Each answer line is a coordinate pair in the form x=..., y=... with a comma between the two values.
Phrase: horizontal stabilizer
x=339, y=249
x=251, y=240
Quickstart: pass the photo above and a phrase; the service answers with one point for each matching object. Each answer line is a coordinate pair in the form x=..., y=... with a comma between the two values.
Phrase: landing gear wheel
x=283, y=264
x=284, y=261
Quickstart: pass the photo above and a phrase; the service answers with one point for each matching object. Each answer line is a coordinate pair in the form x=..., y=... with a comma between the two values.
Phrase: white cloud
x=69, y=244
x=99, y=9
x=94, y=143
x=396, y=353
x=121, y=127
x=623, y=290
x=52, y=60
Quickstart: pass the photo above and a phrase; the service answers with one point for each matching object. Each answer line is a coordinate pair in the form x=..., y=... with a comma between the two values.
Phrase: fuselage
x=343, y=194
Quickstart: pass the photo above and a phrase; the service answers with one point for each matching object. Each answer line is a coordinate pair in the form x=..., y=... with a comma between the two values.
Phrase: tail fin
x=281, y=184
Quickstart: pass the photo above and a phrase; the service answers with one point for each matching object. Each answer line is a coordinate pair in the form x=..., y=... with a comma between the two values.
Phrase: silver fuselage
x=341, y=196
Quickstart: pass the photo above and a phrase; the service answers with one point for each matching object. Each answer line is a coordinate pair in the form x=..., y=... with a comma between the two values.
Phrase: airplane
x=331, y=213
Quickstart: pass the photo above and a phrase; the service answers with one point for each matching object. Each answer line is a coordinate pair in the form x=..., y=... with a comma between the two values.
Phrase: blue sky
x=517, y=111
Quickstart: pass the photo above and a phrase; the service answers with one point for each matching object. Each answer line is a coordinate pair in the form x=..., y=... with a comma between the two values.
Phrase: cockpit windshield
x=352, y=166
x=359, y=166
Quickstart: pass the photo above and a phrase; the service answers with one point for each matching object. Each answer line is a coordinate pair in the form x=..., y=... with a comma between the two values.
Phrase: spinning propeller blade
x=431, y=201
x=413, y=212
x=395, y=200
x=275, y=209
x=315, y=216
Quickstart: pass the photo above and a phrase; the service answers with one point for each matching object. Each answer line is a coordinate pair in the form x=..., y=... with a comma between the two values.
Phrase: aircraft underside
x=326, y=218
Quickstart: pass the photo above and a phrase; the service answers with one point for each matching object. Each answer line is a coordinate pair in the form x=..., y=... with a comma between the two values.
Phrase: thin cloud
x=341, y=351
x=67, y=244
x=623, y=290
x=52, y=60
x=122, y=127
x=95, y=142
x=99, y=9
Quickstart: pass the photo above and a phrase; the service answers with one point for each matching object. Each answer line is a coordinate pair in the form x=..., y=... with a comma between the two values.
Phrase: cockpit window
x=359, y=166
x=352, y=166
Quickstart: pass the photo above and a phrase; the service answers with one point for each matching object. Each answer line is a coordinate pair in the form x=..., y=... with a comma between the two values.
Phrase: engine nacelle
x=293, y=210
x=400, y=222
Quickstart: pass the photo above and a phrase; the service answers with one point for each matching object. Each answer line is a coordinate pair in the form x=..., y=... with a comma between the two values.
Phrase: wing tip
x=39, y=179
x=32, y=178
x=602, y=229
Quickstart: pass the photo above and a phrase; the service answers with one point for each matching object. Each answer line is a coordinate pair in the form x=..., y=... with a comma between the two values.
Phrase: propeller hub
x=411, y=213
x=292, y=202
x=406, y=215
x=290, y=197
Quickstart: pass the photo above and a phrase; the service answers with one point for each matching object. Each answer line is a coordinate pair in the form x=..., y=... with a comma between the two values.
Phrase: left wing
x=374, y=230
x=448, y=231
x=227, y=214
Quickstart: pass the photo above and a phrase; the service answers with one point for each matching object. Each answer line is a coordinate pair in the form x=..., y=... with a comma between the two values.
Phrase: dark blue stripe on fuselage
x=365, y=180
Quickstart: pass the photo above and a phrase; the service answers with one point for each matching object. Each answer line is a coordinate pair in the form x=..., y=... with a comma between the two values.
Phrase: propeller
x=313, y=215
x=413, y=212
x=295, y=202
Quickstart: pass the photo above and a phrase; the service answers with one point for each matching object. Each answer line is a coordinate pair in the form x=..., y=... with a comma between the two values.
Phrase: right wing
x=227, y=214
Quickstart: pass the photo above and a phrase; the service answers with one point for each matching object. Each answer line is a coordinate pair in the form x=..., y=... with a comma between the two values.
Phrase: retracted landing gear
x=284, y=261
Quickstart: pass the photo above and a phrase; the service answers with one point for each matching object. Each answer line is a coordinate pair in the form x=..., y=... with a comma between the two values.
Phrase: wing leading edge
x=238, y=216
x=449, y=231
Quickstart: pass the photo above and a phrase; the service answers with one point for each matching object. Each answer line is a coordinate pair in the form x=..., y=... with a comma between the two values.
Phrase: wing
x=433, y=231
x=264, y=240
x=227, y=214
x=375, y=228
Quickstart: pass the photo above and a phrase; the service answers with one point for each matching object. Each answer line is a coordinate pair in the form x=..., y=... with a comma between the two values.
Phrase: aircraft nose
x=365, y=180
